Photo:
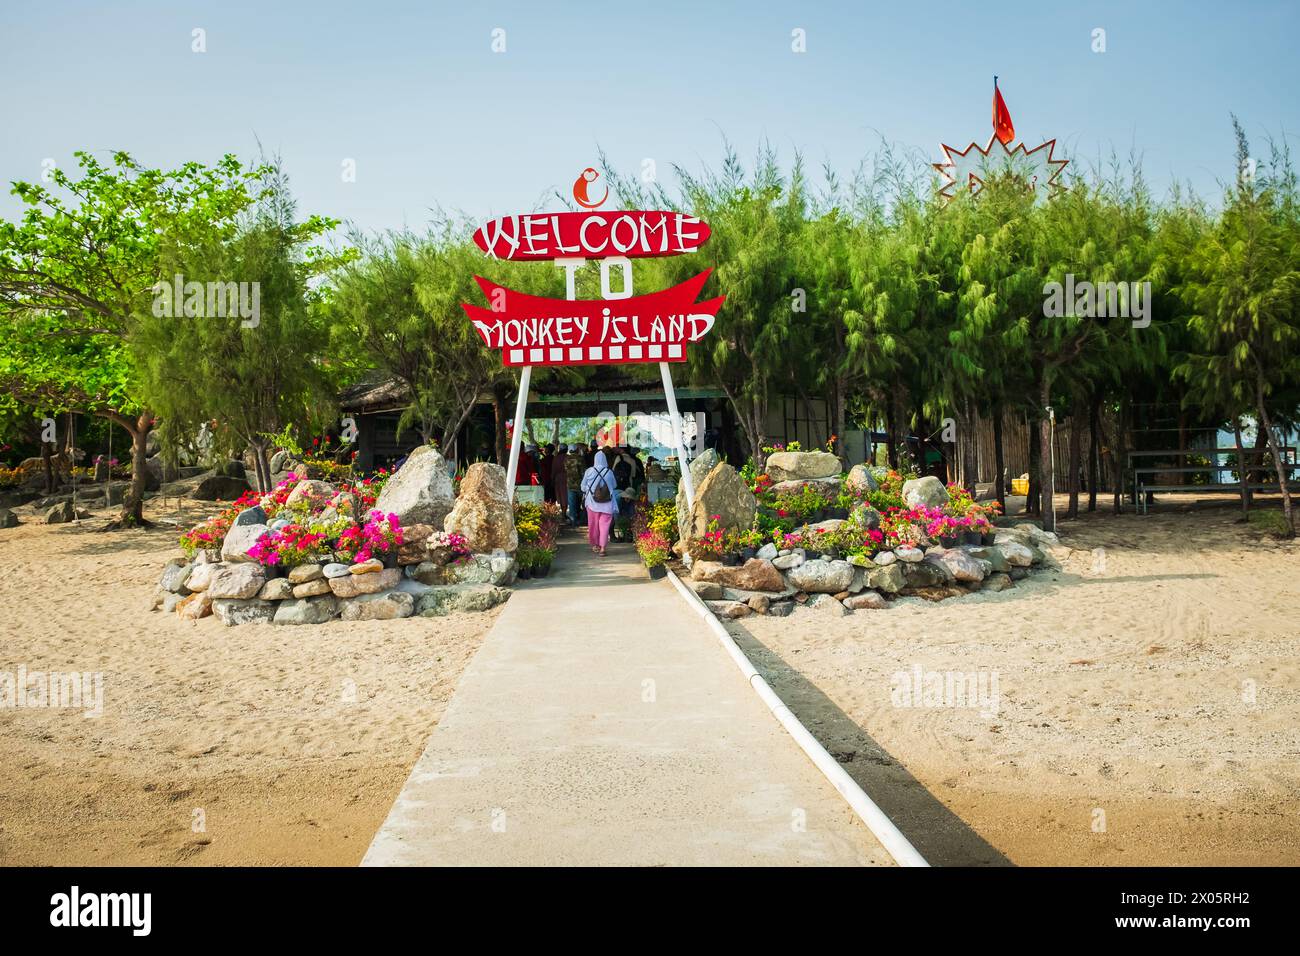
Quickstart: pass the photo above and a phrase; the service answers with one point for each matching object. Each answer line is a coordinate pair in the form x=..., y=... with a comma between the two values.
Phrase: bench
x=1142, y=489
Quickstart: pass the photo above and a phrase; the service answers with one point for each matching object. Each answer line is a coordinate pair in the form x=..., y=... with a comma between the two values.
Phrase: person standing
x=560, y=478
x=601, y=497
x=575, y=465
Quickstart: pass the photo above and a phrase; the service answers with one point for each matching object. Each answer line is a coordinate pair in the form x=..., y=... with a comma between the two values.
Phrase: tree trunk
x=970, y=448
x=1076, y=456
x=1045, y=463
x=132, y=513
x=1243, y=476
x=263, y=463
x=500, y=416
x=999, y=463
x=1034, y=498
x=1094, y=450
x=47, y=463
x=1119, y=444
x=891, y=444
x=1283, y=484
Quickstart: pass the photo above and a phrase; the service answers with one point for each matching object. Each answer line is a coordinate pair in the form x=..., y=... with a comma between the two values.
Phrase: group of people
x=595, y=484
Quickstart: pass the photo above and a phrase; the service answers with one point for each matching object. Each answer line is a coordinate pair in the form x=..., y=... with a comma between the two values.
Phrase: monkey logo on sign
x=585, y=179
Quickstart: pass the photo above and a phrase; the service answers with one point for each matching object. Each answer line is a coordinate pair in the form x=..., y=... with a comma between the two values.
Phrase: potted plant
x=731, y=550
x=709, y=546
x=814, y=543
x=524, y=562
x=542, y=559
x=750, y=542
x=654, y=550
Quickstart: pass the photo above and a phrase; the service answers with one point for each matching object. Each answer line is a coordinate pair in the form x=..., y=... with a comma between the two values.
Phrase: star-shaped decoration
x=972, y=166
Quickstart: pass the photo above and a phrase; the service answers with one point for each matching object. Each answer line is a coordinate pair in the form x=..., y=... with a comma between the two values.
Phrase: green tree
x=85, y=256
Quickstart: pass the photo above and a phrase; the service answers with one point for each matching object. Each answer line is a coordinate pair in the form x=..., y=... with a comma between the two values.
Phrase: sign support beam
x=682, y=462
x=517, y=435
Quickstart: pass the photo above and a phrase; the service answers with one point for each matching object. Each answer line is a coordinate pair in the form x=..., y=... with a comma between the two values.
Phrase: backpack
x=622, y=473
x=600, y=490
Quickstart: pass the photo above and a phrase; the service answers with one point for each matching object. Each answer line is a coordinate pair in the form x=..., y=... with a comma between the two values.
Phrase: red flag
x=1002, y=126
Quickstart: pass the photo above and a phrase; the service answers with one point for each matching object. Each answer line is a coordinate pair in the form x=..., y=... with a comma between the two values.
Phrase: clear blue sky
x=413, y=92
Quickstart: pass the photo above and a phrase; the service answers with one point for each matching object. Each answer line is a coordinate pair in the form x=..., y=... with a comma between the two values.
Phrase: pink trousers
x=598, y=525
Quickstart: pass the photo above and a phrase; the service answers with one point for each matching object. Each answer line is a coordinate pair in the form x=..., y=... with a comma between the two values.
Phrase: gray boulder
x=220, y=488
x=729, y=610
x=381, y=606
x=174, y=576
x=826, y=604
x=236, y=581
x=700, y=468
x=372, y=583
x=311, y=610
x=860, y=480
x=8, y=519
x=498, y=568
x=240, y=538
x=962, y=565
x=889, y=578
x=232, y=611
x=421, y=491
x=458, y=598
x=802, y=465
x=928, y=491
x=1017, y=555
x=61, y=513
x=866, y=601
x=276, y=589
x=822, y=577
x=723, y=493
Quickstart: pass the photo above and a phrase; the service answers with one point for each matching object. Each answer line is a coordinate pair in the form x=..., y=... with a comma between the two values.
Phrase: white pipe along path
x=883, y=828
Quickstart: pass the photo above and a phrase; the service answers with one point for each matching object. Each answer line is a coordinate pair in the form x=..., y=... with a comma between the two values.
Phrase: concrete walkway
x=602, y=724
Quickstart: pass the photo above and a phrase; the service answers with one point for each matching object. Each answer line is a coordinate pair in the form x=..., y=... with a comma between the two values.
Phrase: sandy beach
x=251, y=745
x=1148, y=705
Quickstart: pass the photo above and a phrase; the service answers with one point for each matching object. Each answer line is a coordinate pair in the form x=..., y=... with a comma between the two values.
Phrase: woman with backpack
x=600, y=491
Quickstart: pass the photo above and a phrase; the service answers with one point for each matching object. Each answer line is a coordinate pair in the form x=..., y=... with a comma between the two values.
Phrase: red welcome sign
x=633, y=233
x=534, y=330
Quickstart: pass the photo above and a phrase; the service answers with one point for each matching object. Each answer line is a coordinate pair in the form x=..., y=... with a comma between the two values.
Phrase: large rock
x=996, y=559
x=194, y=607
x=175, y=575
x=310, y=610
x=384, y=606
x=927, y=573
x=700, y=468
x=928, y=491
x=801, y=465
x=239, y=539
x=276, y=589
x=8, y=519
x=61, y=513
x=729, y=609
x=827, y=604
x=1017, y=555
x=201, y=574
x=888, y=578
x=355, y=584
x=314, y=494
x=453, y=598
x=497, y=568
x=865, y=516
x=421, y=492
x=829, y=487
x=483, y=513
x=312, y=588
x=219, y=488
x=754, y=575
x=962, y=565
x=236, y=581
x=414, y=547
x=725, y=494
x=866, y=601
x=231, y=612
x=822, y=577
x=860, y=481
